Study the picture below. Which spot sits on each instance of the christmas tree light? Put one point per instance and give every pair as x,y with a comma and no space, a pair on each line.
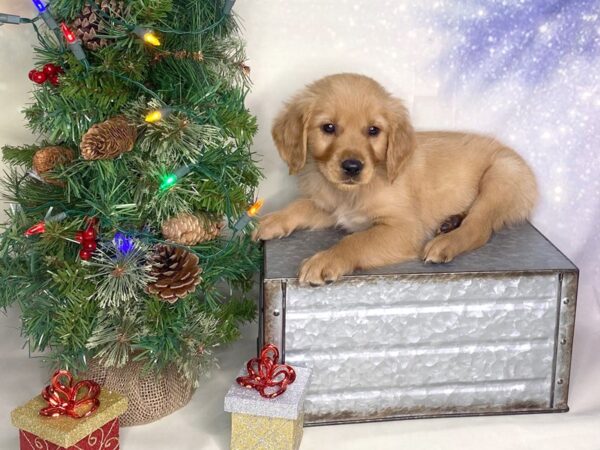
74,44
68,34
170,179
147,36
256,207
123,243
248,215
157,115
40,5
40,228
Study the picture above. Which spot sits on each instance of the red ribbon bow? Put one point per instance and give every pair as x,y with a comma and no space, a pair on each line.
63,398
264,373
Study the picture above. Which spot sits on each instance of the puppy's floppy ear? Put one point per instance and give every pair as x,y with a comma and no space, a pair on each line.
401,140
290,132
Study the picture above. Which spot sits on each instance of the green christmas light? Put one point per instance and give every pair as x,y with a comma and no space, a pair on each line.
168,181
171,179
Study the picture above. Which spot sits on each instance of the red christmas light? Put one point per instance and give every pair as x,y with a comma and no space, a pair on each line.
69,35
38,228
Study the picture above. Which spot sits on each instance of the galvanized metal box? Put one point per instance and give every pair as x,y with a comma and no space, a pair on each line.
489,333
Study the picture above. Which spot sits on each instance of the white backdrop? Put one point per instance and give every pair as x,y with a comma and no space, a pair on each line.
442,57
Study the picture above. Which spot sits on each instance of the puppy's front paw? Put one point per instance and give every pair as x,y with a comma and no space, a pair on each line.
323,268
441,249
272,226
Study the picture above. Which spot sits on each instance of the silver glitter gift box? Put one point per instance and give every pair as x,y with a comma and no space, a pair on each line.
489,333
259,423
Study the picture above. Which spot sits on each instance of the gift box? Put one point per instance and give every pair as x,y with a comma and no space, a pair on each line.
99,430
488,333
259,423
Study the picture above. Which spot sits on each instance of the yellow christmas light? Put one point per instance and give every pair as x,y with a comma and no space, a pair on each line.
157,115
254,209
154,116
151,38
147,36
247,217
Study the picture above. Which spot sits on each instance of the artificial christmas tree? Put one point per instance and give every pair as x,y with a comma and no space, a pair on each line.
147,126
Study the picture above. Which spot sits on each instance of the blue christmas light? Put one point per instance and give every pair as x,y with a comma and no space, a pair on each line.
40,5
123,243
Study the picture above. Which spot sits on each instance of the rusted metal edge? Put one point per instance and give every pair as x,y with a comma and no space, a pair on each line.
273,314
556,338
440,415
260,339
564,339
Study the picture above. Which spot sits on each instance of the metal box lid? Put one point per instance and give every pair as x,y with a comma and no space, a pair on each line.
517,249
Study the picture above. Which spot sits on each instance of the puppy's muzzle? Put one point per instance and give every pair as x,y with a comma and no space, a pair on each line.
352,167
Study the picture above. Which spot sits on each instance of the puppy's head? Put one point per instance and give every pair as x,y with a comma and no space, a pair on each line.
350,126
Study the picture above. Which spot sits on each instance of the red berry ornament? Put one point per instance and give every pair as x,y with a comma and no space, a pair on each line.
51,69
89,234
87,239
39,77
32,73
54,80
89,246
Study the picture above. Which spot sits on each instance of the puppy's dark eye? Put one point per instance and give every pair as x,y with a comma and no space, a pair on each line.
328,128
374,131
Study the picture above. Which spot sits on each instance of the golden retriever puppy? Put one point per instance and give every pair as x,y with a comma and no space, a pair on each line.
361,166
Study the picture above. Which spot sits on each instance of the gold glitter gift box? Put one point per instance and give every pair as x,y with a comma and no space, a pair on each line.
259,423
98,431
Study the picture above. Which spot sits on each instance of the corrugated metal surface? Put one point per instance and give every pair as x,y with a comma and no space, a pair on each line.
420,343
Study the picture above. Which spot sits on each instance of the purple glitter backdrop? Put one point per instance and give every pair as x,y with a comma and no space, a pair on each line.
529,73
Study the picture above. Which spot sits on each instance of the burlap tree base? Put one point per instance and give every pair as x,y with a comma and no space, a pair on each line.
150,397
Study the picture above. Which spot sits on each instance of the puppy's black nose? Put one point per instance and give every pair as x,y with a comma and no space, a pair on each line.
352,167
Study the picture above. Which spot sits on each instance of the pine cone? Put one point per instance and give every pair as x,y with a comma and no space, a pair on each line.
47,158
176,272
188,229
91,22
108,139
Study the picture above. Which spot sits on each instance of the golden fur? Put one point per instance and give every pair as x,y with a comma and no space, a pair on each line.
410,181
